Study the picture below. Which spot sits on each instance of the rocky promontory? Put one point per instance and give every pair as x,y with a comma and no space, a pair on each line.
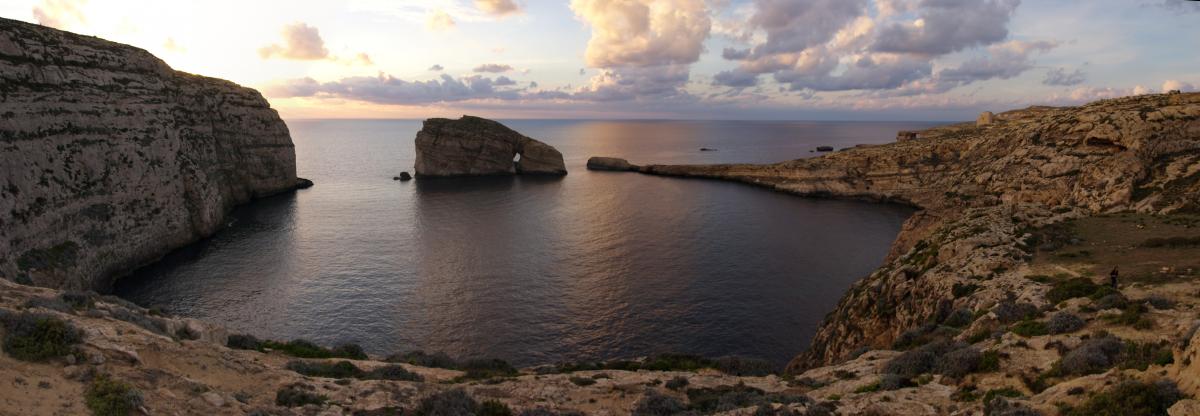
111,159
473,146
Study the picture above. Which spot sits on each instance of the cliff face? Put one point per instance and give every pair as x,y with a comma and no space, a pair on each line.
981,188
472,146
111,158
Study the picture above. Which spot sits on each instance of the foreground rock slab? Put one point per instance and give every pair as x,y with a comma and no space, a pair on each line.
112,159
474,146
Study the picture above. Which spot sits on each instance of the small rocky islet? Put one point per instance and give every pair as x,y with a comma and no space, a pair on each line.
994,299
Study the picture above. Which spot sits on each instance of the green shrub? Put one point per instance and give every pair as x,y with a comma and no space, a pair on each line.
960,290
484,368
420,358
989,361
1141,355
391,372
583,381
78,300
185,332
493,408
1132,316
1004,392
448,402
724,398
868,388
1064,322
958,363
296,395
307,349
676,362
1030,328
742,366
340,369
677,383
1130,399
243,342
37,337
655,404
108,397
1079,287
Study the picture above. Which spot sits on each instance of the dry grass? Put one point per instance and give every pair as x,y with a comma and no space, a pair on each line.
1102,242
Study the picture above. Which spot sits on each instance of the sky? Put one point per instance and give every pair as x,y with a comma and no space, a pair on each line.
665,59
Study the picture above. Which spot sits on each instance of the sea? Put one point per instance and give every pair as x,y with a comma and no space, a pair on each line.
536,270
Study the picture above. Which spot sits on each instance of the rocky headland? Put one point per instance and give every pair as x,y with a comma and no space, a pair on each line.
473,146
111,159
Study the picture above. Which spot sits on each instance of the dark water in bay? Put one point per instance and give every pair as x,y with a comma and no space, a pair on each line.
595,265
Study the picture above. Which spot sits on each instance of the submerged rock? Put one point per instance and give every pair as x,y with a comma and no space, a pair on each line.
302,183
404,176
473,146
610,163
824,148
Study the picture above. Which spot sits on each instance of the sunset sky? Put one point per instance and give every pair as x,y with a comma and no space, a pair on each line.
722,59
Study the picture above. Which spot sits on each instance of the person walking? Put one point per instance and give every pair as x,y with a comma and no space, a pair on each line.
1112,277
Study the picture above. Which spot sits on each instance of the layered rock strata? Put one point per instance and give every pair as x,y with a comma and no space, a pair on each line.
473,146
110,159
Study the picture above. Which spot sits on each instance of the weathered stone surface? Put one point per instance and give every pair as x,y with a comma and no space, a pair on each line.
473,146
610,163
110,158
985,118
978,188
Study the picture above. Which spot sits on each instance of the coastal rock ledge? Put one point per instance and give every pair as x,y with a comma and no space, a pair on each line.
474,146
112,159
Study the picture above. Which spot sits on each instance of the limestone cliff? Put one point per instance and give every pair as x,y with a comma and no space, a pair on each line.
981,185
111,158
473,146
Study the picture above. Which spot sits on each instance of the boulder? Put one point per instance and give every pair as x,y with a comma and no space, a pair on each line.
610,163
824,148
985,118
474,146
404,176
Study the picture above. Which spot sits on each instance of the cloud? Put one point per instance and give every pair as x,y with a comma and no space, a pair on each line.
172,46
439,21
503,81
59,14
493,68
1002,61
735,54
1171,85
645,48
385,89
872,72
498,8
1178,5
794,26
641,33
300,42
947,26
437,68
1060,77
735,78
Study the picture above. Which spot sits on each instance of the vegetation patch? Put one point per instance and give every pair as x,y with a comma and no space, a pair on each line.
108,397
583,381
458,402
423,359
726,398
1171,242
1030,328
37,337
1064,322
1130,399
296,395
346,369
677,383
297,348
1078,287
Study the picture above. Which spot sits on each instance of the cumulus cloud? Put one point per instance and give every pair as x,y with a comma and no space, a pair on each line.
59,14
437,68
1178,5
1171,85
1003,61
645,48
793,26
300,42
498,7
1060,77
493,68
643,33
947,26
439,21
735,54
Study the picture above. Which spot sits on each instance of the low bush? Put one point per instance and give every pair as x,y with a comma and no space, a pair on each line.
485,368
391,372
243,342
37,337
493,408
677,383
959,318
133,316
1141,356
959,363
185,332
921,360
1030,328
1110,301
676,362
108,397
54,304
583,381
1092,356
726,398
423,359
1064,322
741,366
1159,302
1009,311
448,402
340,369
296,395
989,361
78,300
1132,316
1130,399
1004,392
302,348
1078,287
655,404
546,412
889,382
1001,406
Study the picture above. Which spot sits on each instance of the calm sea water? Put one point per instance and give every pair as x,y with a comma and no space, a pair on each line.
596,265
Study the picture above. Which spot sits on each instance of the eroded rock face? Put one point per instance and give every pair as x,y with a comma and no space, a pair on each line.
610,163
473,146
110,159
